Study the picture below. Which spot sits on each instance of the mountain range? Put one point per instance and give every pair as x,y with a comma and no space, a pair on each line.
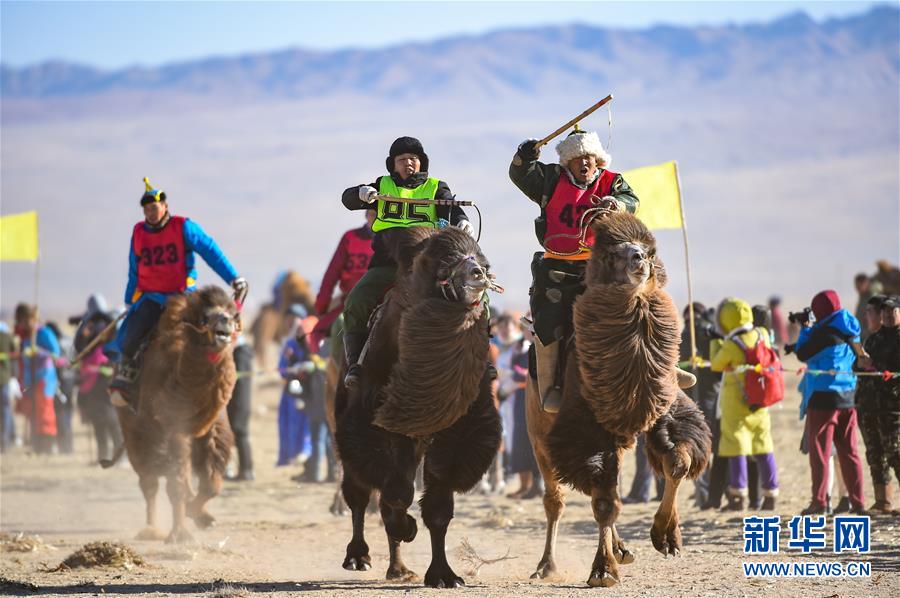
786,134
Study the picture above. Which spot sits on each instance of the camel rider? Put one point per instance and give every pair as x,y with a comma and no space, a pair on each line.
407,164
564,192
161,263
348,264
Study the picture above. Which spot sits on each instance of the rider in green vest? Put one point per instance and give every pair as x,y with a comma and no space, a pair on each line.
407,164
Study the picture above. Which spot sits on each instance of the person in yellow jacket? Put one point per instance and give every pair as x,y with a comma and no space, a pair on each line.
744,432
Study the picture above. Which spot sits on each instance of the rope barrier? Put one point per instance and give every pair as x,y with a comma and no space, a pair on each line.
704,364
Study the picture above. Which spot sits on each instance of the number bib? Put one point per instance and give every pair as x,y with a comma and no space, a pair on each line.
356,261
392,214
160,257
565,209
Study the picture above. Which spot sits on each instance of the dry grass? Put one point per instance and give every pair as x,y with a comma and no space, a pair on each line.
23,542
102,554
468,555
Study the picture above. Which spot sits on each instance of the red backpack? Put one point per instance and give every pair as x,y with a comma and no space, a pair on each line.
765,388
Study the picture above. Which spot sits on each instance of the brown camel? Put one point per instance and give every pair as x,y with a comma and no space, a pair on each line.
273,322
619,381
180,426
425,394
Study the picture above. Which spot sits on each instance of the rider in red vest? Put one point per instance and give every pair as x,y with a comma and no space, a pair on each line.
348,264
161,264
564,192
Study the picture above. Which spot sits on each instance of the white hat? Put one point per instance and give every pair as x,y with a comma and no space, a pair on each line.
582,143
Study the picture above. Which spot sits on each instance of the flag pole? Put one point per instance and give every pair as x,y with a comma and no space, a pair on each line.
687,263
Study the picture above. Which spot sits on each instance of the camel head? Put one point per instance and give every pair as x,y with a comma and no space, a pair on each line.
625,253
451,266
212,317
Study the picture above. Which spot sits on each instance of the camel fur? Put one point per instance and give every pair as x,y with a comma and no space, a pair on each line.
180,426
425,395
619,382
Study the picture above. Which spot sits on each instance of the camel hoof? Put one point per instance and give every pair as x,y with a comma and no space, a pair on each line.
150,533
402,574
624,556
545,569
602,580
203,520
181,536
443,577
362,563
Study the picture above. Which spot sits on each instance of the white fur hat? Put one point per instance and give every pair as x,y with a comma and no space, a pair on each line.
582,143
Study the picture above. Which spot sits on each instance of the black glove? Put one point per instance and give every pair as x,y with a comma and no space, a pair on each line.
528,150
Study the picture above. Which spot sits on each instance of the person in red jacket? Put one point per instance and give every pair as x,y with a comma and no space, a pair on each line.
348,264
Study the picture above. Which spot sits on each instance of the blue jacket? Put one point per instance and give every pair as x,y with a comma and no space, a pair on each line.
45,368
195,240
827,341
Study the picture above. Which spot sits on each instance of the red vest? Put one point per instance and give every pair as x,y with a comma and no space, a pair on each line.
358,254
160,257
565,208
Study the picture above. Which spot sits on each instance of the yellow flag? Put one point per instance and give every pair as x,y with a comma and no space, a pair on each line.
19,237
660,198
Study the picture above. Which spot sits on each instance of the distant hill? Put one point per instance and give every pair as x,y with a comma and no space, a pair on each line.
786,133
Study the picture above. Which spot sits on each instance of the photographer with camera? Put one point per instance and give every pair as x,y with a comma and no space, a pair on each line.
830,343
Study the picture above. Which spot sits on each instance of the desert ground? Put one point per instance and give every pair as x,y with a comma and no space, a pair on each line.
275,536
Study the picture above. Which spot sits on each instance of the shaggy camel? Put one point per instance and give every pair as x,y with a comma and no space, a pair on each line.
619,381
425,393
180,426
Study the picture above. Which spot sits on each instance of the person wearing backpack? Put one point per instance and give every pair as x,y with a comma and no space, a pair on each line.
745,425
831,344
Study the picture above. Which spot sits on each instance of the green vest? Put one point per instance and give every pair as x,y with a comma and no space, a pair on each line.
391,214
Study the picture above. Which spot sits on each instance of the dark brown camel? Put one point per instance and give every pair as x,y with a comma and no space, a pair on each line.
425,394
180,426
620,381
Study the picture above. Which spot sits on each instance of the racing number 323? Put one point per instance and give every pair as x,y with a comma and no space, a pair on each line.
415,212
159,255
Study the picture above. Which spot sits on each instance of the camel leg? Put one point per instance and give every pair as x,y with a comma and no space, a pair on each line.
210,456
606,506
622,554
399,525
357,497
178,487
554,505
665,532
149,487
437,511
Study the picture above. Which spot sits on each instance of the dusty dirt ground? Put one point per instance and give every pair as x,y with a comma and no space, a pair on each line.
275,536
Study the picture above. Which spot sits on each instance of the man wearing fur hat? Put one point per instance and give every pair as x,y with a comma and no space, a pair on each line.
564,192
407,164
161,263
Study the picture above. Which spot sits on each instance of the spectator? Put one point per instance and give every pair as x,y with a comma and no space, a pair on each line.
884,348
239,409
831,344
743,432
63,402
711,484
293,425
7,359
93,380
779,326
866,287
37,370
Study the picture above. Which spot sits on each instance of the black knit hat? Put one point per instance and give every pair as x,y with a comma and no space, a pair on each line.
407,145
891,302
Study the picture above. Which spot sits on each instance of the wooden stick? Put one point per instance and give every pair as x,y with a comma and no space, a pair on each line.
581,116
97,340
687,264
425,202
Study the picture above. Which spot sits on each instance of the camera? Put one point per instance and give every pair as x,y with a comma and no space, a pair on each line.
802,317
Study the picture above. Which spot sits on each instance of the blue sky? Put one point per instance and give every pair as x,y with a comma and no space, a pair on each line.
118,34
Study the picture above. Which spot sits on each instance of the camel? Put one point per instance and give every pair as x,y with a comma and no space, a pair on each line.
425,395
619,381
180,426
273,322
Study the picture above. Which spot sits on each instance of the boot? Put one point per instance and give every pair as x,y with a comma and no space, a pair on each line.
768,503
353,347
685,379
121,389
816,509
736,502
883,499
843,506
548,375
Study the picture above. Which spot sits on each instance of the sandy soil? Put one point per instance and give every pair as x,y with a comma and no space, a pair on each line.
275,536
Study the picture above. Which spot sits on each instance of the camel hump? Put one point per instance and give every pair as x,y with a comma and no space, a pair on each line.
404,244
